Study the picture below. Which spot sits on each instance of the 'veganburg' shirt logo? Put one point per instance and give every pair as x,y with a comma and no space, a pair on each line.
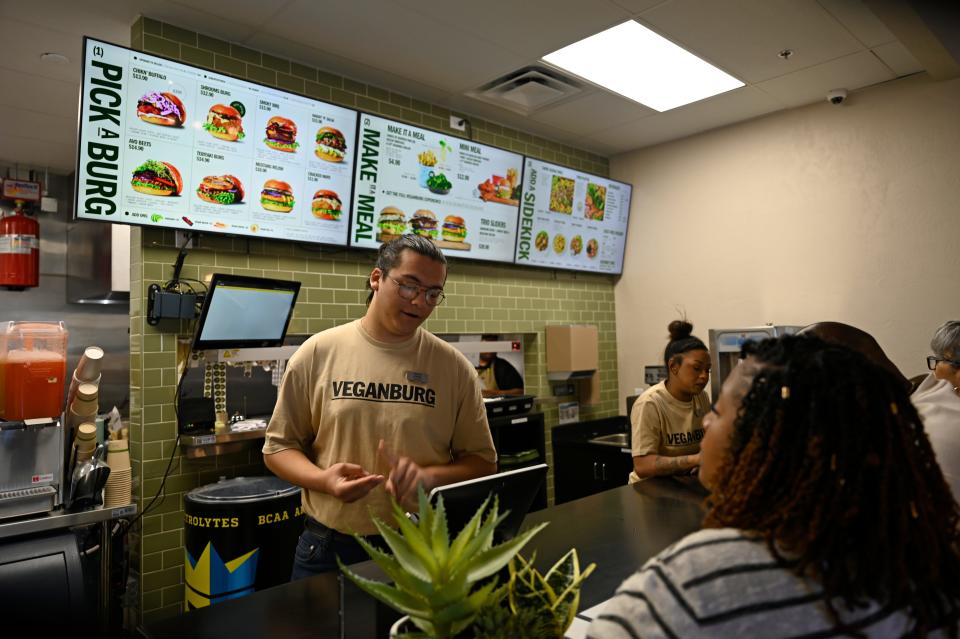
682,439
390,393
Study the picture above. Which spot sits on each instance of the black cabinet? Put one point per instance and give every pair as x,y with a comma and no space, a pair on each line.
519,442
582,468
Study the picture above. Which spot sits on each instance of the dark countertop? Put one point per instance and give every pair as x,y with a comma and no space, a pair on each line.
581,432
618,529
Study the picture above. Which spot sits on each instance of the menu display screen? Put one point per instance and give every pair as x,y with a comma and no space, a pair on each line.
168,144
462,195
572,220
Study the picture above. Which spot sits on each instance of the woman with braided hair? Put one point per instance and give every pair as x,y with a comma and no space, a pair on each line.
829,515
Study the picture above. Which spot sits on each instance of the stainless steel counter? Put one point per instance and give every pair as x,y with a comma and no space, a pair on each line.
59,519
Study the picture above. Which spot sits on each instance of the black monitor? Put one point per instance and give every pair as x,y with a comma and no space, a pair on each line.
245,312
515,490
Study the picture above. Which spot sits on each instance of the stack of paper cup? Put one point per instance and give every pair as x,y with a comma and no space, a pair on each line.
87,371
84,406
119,484
86,441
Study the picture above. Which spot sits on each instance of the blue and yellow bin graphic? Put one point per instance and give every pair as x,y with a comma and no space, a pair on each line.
239,536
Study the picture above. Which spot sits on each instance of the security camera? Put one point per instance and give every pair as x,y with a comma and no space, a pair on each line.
837,96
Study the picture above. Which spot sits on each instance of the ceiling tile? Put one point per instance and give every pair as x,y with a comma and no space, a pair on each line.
23,44
339,65
53,97
859,20
743,37
60,156
39,126
810,85
251,13
637,6
727,108
106,19
519,26
898,57
399,41
581,113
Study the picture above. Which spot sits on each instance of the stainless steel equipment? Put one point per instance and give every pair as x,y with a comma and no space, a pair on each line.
725,346
31,466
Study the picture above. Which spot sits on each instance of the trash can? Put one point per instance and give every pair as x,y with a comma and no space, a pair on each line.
240,535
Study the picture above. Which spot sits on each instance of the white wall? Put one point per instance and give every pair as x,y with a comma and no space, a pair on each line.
848,213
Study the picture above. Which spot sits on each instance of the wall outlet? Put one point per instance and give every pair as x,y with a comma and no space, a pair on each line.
457,123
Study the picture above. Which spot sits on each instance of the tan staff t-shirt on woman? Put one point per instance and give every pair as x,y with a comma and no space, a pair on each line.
661,424
343,392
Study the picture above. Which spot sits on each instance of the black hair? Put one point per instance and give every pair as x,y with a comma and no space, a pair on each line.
829,463
681,341
390,254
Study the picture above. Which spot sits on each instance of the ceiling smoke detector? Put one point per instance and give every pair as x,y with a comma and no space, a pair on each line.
527,90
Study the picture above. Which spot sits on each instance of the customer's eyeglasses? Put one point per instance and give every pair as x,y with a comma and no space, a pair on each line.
933,359
409,292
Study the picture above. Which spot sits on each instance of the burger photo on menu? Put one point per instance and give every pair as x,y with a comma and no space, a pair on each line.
392,223
331,145
220,189
326,205
281,134
424,224
157,178
164,109
276,196
454,230
224,122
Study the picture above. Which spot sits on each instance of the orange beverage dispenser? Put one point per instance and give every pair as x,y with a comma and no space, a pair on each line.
34,369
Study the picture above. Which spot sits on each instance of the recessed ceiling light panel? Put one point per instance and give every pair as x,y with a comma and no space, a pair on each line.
643,66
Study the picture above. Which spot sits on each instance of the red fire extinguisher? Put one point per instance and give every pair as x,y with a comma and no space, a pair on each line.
19,250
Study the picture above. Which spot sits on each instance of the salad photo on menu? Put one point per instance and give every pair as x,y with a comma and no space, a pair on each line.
596,202
561,194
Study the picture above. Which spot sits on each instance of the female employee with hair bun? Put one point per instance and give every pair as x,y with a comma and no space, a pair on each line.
666,418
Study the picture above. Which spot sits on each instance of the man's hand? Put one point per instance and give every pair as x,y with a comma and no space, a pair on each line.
349,482
404,478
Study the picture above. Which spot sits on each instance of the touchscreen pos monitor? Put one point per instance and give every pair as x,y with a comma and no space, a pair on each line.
245,312
515,490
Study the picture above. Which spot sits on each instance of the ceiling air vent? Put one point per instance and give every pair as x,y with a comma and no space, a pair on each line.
527,89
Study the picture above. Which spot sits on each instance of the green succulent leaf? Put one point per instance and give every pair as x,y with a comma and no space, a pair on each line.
389,564
393,597
468,533
493,559
411,551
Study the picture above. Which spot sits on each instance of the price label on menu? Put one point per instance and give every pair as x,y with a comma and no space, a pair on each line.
461,195
572,220
169,144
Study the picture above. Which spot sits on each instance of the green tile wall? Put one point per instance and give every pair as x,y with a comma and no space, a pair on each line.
481,298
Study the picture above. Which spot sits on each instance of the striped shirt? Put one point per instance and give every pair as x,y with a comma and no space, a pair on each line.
722,583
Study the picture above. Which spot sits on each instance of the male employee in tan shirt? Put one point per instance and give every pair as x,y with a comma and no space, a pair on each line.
376,401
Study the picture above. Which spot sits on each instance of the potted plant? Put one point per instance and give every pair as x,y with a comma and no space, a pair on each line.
450,588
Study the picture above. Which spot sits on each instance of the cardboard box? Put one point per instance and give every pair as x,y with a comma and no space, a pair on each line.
572,347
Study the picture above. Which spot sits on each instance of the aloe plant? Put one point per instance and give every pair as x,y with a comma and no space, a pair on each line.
435,581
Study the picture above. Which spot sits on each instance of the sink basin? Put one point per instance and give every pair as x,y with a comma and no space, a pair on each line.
620,440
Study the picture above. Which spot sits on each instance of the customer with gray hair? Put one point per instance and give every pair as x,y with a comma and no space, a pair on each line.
937,400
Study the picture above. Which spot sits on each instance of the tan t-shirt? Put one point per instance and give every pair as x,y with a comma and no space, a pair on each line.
343,391
663,425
